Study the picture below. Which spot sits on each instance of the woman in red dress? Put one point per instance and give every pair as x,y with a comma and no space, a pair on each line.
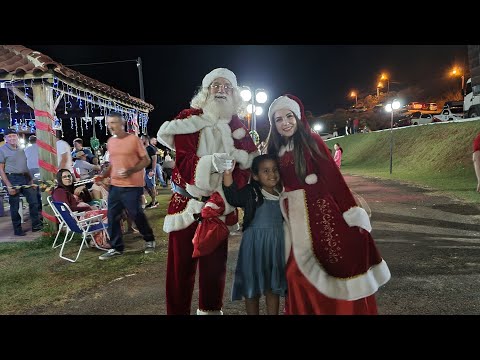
333,265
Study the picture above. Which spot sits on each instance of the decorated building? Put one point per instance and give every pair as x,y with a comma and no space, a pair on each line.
38,95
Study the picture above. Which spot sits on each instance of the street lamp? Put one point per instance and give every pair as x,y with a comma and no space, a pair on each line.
317,128
394,105
260,98
458,72
354,94
385,77
379,85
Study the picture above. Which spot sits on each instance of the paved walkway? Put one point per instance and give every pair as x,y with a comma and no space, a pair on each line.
6,227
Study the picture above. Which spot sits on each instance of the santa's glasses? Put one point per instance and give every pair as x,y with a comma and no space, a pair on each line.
217,87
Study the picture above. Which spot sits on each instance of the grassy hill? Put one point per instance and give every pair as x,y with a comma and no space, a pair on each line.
438,156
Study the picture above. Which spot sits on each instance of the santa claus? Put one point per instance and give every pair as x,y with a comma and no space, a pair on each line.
206,138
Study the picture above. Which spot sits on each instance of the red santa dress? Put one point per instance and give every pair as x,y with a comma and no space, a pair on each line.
333,265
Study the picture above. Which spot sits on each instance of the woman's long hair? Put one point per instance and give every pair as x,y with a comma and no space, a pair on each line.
69,188
301,140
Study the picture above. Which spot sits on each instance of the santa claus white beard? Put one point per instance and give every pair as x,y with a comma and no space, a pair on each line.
219,108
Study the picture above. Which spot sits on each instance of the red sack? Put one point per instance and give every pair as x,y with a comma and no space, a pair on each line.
211,231
209,235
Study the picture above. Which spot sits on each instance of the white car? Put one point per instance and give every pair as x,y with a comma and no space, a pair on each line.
448,114
423,119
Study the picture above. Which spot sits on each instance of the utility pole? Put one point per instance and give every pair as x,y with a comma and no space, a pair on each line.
140,77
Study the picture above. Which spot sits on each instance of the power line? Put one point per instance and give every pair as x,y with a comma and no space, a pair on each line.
106,62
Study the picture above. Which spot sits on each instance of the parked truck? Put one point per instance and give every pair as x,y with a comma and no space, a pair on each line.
471,101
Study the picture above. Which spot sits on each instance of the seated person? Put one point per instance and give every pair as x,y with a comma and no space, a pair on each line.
76,199
83,167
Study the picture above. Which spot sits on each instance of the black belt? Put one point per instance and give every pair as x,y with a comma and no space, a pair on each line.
185,193
24,174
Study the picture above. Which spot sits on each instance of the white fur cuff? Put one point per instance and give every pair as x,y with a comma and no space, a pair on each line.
211,312
239,133
241,156
356,216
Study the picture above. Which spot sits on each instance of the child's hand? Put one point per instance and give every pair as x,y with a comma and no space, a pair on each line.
230,170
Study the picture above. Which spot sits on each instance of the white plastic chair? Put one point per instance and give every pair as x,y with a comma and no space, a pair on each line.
85,227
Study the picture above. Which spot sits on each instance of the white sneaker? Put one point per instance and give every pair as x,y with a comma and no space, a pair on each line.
149,247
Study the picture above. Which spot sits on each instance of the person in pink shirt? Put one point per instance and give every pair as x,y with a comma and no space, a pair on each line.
338,154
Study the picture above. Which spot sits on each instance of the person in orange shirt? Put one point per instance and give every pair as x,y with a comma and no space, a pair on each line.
128,159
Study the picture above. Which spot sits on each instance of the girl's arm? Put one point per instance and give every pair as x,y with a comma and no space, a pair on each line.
235,197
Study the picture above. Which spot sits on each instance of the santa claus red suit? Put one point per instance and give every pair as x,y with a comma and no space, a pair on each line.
204,138
333,266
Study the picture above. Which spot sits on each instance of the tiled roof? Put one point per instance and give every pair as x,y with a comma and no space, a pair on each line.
19,60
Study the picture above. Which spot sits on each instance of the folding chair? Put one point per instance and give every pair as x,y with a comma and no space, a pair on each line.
61,223
84,227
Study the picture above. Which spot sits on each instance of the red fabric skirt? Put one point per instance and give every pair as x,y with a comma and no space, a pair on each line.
304,299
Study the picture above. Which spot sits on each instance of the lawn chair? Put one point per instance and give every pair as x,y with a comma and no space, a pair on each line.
61,223
74,225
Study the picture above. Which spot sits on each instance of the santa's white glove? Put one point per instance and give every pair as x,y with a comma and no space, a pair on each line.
222,162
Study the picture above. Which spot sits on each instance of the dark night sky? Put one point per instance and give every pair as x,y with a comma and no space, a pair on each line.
320,75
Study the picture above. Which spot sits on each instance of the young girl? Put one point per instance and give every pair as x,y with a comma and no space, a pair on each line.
261,258
338,154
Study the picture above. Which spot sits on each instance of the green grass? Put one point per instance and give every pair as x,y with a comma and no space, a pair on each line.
32,274
437,156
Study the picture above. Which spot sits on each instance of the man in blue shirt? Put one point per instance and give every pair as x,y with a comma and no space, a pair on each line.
78,145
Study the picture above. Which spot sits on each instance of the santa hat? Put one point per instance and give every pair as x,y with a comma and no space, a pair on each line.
219,73
289,102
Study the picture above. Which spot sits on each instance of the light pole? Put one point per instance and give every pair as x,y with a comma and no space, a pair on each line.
394,105
260,97
379,85
354,94
385,77
457,72
317,128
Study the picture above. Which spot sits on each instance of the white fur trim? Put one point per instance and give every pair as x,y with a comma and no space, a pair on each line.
283,102
219,73
357,216
250,158
212,205
205,178
311,179
286,226
196,191
183,219
239,133
284,149
338,288
164,139
209,136
240,156
209,312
